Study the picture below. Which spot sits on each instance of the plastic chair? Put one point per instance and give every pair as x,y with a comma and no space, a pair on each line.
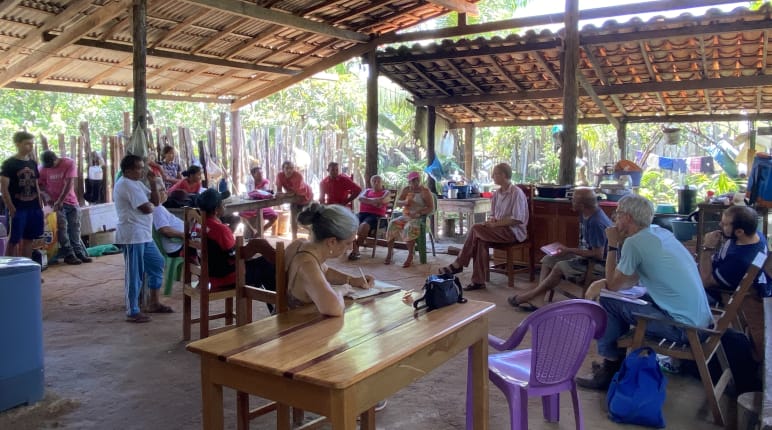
420,243
560,337
384,220
172,265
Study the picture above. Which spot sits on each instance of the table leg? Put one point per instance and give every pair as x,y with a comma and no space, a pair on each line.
367,419
342,415
478,383
260,223
211,394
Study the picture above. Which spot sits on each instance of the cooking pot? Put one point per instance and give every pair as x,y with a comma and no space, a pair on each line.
552,191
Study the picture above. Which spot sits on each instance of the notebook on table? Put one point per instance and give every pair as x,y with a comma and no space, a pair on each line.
379,287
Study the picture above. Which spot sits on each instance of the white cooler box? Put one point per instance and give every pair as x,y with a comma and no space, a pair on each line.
98,218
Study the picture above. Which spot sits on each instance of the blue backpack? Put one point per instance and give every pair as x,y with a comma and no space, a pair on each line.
637,392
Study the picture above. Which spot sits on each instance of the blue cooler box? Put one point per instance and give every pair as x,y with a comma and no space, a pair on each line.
21,333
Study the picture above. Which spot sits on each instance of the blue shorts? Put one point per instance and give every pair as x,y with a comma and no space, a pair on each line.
370,219
26,224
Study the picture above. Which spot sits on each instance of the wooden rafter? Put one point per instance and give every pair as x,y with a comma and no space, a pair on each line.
220,34
34,37
238,49
517,87
476,52
316,49
291,44
179,27
477,88
58,65
547,69
112,68
602,77
460,6
185,76
213,82
73,33
647,87
705,72
652,73
598,102
600,120
109,93
764,52
7,5
159,53
249,10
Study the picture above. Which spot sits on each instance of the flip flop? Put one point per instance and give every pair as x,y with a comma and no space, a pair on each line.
450,270
523,307
472,287
161,309
354,256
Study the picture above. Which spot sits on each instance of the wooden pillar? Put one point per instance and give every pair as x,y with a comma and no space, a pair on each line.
469,150
751,144
567,173
371,146
139,35
79,164
236,145
431,123
622,139
223,145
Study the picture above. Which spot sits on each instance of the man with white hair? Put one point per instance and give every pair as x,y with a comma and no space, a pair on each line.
654,258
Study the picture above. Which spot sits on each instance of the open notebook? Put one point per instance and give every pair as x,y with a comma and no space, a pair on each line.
632,295
379,287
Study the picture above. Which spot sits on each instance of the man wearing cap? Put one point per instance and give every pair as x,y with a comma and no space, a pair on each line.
57,180
337,189
135,232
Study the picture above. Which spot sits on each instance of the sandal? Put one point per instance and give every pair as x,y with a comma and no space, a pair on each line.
160,309
450,269
521,306
472,287
407,264
138,318
354,256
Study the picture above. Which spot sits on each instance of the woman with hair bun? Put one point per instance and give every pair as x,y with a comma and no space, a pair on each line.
191,183
333,230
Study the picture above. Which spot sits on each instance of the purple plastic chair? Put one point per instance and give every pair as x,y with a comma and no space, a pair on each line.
561,336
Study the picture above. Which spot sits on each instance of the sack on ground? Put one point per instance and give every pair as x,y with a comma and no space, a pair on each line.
440,291
637,392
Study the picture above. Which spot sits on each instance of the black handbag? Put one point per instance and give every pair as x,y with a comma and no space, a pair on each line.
439,291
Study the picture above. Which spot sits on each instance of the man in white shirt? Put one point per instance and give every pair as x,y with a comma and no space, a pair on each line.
134,232
170,228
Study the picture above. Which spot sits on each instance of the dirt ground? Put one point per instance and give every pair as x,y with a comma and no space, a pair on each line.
104,373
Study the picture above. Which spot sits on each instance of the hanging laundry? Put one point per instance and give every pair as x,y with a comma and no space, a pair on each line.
695,164
665,163
706,165
679,165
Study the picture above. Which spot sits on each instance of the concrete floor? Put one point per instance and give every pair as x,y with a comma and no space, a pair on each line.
103,373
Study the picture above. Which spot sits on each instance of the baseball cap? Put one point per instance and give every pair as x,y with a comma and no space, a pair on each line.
413,175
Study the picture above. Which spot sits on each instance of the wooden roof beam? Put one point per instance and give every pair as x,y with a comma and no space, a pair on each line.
763,71
602,76
602,121
58,65
110,70
35,37
249,44
499,50
652,73
109,93
517,87
7,5
253,11
508,24
543,64
478,89
320,66
119,47
598,102
428,79
705,72
212,82
459,6
647,87
179,27
73,33
220,34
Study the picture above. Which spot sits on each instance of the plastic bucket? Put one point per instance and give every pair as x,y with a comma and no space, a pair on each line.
684,230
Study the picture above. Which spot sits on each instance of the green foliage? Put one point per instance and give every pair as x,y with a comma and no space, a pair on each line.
660,189
547,168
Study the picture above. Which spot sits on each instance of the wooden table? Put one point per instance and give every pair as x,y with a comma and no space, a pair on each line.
341,367
467,207
238,204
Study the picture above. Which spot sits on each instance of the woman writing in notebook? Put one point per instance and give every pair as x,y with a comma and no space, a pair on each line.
333,230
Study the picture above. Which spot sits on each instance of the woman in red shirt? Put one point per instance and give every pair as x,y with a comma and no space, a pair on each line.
292,181
191,183
373,203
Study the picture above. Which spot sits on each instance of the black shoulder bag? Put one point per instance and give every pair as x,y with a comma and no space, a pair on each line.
440,291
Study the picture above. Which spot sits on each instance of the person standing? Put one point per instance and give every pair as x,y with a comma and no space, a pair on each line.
135,232
57,181
21,195
337,189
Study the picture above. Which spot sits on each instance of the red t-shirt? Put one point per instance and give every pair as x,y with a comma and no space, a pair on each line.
338,190
370,209
189,188
295,184
52,180
219,233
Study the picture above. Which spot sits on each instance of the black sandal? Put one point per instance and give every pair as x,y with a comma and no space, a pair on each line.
472,287
521,306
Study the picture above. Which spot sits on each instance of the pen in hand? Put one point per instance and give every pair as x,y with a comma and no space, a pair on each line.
364,278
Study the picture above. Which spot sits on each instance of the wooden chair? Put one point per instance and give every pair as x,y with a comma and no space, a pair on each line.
195,280
702,351
245,295
376,234
511,265
420,243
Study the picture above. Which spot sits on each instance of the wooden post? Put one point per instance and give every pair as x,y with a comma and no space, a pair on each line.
431,122
73,148
751,145
223,145
236,143
111,165
622,139
469,150
567,174
79,164
371,145
139,63
62,145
